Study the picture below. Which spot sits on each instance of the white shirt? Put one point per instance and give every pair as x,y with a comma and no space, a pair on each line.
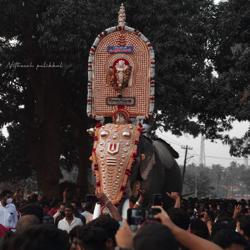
88,216
13,218
56,215
125,208
97,211
64,225
4,216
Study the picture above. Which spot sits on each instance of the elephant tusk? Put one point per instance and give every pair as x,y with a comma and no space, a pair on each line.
91,158
143,157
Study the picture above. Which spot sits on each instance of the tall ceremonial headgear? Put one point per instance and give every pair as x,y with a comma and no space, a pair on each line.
121,70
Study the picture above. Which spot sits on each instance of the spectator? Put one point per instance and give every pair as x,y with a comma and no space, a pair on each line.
154,235
74,237
230,240
179,217
225,223
88,212
93,238
34,209
70,221
77,213
199,228
243,226
110,226
59,215
185,238
26,222
40,238
4,213
13,218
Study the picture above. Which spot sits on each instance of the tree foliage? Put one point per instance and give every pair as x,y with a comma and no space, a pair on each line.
44,106
231,181
232,62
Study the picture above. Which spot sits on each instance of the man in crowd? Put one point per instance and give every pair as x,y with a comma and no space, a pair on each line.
5,215
70,221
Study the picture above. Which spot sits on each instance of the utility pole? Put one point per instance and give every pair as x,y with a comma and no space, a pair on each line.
202,151
185,161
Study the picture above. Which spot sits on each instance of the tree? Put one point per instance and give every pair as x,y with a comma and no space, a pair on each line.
198,181
232,62
14,162
217,177
47,98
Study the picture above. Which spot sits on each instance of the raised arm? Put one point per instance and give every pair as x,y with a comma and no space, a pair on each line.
108,204
185,238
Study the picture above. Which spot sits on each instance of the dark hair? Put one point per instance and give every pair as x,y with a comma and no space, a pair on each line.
244,221
34,209
107,223
226,237
199,228
153,235
5,193
179,217
26,221
39,238
89,206
222,224
93,238
33,198
75,233
68,205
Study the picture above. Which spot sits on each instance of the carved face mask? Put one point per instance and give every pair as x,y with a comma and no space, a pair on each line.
113,154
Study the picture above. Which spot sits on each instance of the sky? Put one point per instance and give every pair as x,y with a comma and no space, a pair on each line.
215,152
217,1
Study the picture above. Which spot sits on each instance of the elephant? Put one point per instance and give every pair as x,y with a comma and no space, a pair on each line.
157,170
123,153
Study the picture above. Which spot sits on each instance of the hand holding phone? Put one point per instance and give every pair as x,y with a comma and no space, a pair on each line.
136,216
152,212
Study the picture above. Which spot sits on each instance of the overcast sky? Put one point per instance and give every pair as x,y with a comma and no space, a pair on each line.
215,152
217,1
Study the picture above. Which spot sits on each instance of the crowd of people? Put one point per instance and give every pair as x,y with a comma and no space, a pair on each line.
37,223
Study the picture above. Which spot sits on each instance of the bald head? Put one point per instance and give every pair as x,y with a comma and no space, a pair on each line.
26,222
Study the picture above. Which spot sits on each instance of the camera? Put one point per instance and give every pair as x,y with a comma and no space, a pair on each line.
136,216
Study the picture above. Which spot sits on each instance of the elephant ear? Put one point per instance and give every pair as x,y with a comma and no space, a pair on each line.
165,154
146,153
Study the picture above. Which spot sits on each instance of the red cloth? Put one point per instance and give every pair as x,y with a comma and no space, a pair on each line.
52,211
3,230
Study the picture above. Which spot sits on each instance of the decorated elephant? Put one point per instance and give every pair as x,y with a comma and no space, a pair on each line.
121,86
156,168
122,154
